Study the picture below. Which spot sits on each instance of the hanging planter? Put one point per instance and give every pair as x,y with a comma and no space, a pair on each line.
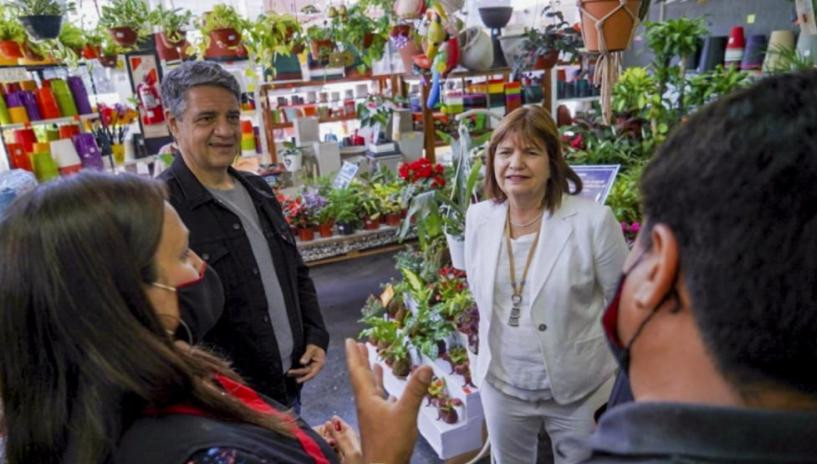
90,52
108,61
42,26
124,36
10,49
169,43
226,37
321,48
608,25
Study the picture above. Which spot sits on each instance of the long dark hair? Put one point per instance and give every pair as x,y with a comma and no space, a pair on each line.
82,353
533,125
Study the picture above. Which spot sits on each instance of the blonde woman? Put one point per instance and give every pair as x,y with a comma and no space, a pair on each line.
542,263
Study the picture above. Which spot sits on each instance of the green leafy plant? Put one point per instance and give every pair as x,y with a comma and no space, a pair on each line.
558,36
40,7
623,198
273,34
344,206
375,111
789,60
222,16
173,21
398,357
363,35
705,87
72,37
126,13
465,175
10,27
370,204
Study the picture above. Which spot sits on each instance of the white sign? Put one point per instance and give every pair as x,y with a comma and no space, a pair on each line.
345,175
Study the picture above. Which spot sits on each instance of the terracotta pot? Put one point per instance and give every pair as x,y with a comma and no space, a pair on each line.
108,61
90,52
124,36
226,38
306,234
325,229
10,49
371,223
546,61
173,44
315,47
617,30
166,52
394,219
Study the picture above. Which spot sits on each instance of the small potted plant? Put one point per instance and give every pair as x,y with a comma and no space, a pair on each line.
224,26
391,207
94,39
321,44
345,209
173,23
397,357
363,35
370,208
125,20
325,221
380,333
12,35
297,215
542,47
273,34
41,18
109,53
447,409
437,390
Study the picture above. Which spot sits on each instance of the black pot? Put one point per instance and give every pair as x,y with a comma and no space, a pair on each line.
345,228
713,52
42,26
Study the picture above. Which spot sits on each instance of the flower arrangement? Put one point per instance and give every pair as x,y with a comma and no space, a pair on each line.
303,211
113,126
424,174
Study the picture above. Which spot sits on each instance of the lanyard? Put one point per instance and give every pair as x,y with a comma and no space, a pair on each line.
516,298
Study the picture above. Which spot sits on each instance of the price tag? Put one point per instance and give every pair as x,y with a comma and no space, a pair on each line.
345,175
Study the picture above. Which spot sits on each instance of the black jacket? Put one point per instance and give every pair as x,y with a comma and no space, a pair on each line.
244,333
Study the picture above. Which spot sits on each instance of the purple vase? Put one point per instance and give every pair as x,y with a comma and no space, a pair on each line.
13,99
30,103
80,94
755,52
89,154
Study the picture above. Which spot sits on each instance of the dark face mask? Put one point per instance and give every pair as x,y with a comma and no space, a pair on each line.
609,321
201,303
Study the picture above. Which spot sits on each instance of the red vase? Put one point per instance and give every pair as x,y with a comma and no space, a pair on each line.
306,234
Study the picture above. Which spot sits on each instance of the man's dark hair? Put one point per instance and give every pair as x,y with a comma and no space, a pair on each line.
737,184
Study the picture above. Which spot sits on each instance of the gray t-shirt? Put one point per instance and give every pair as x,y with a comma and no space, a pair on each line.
238,201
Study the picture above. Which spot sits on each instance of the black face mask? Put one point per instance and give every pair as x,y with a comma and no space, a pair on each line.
609,322
201,303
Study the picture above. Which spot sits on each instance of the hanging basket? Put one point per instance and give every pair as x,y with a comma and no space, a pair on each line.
42,26
124,36
182,35
608,25
108,61
226,38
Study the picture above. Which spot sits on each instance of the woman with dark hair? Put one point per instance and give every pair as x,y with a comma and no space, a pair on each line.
99,297
541,263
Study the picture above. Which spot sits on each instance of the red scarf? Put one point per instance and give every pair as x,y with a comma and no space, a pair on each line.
252,400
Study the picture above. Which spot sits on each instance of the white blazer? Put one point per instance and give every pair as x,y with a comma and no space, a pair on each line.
574,272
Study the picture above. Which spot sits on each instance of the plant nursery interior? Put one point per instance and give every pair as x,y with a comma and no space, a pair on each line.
462,187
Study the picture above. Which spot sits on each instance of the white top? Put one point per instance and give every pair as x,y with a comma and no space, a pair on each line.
517,363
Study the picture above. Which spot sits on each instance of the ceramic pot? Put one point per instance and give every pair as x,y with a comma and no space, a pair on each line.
316,46
754,53
608,25
325,229
173,43
546,61
42,26
108,61
393,219
476,49
712,53
10,49
779,42
456,248
124,36
226,37
735,47
372,223
90,52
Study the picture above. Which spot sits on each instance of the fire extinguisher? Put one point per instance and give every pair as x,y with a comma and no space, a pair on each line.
150,100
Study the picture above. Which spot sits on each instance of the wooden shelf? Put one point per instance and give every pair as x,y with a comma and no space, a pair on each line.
43,122
321,83
286,125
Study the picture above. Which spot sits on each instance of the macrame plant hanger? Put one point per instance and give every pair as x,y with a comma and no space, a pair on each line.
608,64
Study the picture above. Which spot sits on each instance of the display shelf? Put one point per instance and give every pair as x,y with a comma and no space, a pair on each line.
321,83
447,440
43,122
286,125
580,99
339,247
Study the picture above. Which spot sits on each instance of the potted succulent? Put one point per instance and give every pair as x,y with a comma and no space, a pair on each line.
125,20
173,23
222,25
542,47
344,206
41,18
273,34
12,35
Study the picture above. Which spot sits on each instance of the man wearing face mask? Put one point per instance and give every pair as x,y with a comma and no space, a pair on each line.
271,327
716,317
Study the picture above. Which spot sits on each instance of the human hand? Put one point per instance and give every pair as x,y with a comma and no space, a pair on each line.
313,359
388,429
343,439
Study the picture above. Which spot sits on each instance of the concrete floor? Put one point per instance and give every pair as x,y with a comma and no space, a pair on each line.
342,289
